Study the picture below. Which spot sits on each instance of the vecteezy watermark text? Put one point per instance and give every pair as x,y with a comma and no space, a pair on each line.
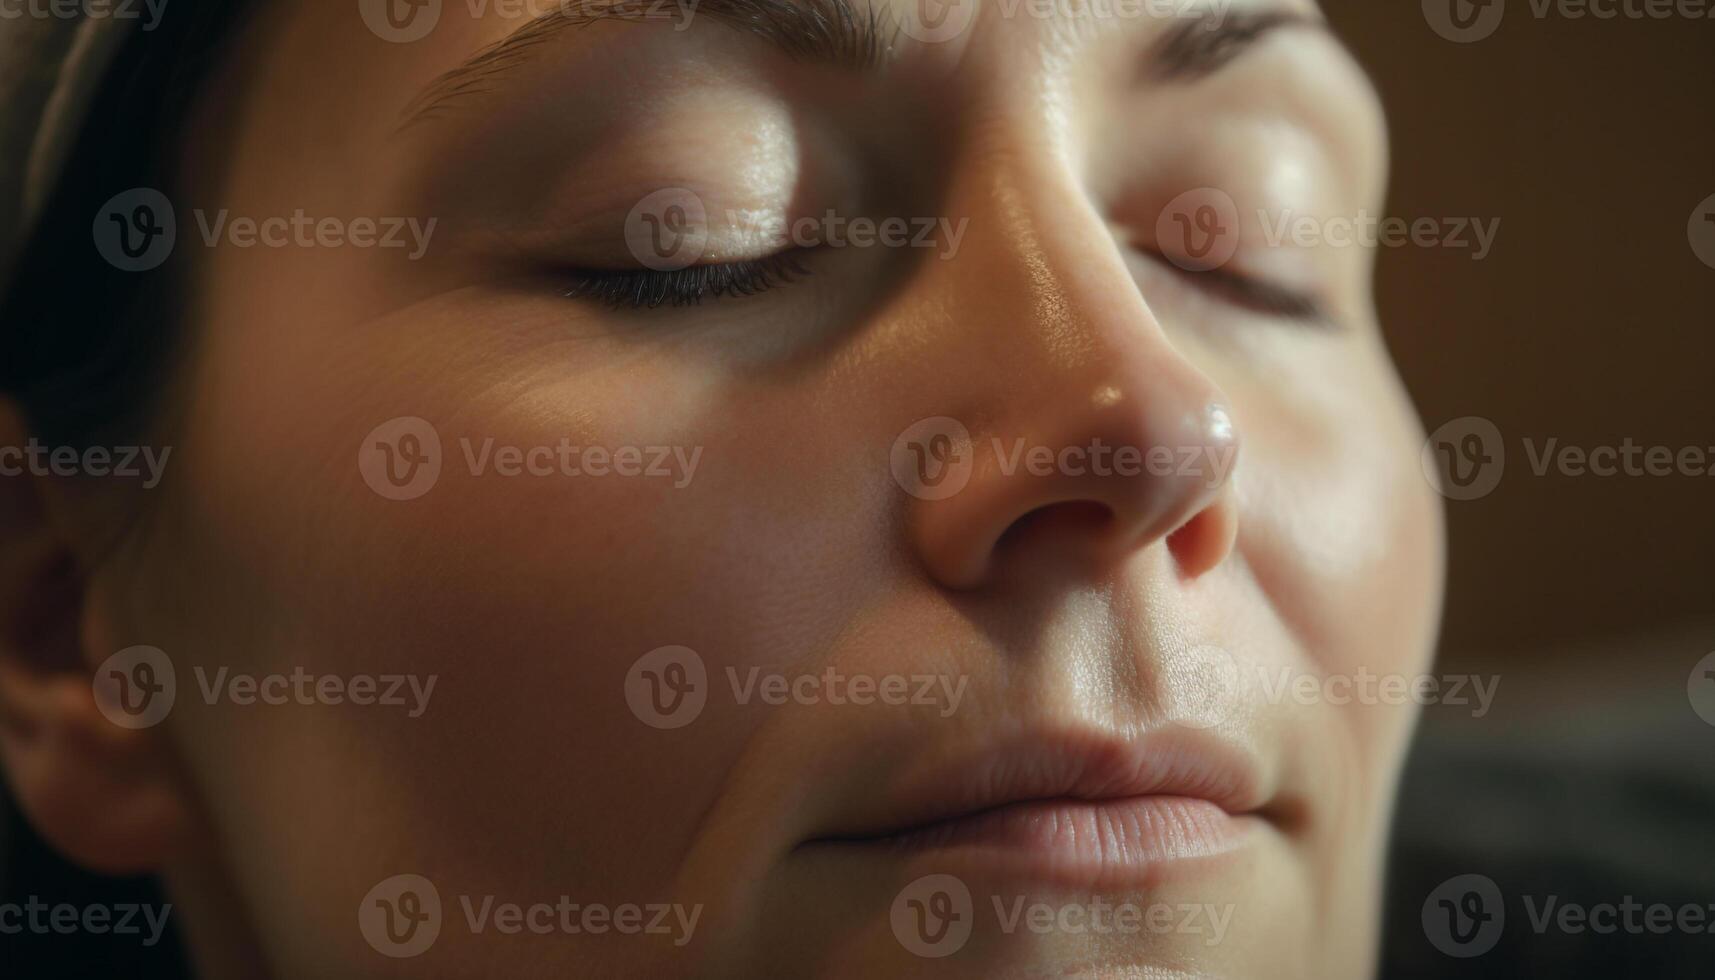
668,687
934,916
1225,684
121,462
409,691
147,11
1465,458
564,458
138,686
300,230
832,230
404,21
933,459
136,230
937,21
1466,915
402,917
41,918
1366,687
401,459
1466,21
1366,230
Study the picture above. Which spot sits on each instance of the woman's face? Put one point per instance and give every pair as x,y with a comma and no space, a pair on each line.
985,542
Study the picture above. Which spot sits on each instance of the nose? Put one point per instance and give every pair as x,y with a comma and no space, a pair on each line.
1068,424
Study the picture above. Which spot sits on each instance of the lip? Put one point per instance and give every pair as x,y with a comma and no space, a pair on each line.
1072,808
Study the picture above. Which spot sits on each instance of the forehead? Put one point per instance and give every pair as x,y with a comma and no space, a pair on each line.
476,43
331,84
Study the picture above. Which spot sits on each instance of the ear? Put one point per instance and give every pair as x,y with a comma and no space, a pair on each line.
106,795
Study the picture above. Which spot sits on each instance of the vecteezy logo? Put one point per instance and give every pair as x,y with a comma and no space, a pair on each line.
1464,21
1700,688
1464,916
136,687
932,916
1199,230
1464,458
1466,13
135,231
934,21
400,21
668,230
1466,466
1701,231
667,687
933,458
401,916
400,459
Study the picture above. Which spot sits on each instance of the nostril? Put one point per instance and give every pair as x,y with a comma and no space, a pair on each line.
1071,520
1086,490
1204,541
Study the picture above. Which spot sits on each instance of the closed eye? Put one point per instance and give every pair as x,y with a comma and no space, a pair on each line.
650,288
1254,294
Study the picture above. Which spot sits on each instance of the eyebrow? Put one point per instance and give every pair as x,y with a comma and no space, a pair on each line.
830,32
826,31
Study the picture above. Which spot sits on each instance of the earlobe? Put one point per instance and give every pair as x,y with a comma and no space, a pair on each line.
107,796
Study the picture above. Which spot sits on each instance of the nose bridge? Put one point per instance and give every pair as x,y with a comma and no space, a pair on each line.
1038,343
1033,245
1045,322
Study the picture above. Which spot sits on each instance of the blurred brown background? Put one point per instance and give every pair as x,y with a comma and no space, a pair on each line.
1589,600
1591,320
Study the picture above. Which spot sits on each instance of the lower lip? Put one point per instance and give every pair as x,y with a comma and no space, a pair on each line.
1082,842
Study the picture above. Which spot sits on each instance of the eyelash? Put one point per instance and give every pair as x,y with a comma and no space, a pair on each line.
649,288
1262,296
638,289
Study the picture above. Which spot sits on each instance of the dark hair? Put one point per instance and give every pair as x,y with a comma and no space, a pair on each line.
83,350
82,343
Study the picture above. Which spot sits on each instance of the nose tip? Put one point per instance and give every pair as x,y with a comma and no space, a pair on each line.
1187,465
1218,424
1201,532
1129,473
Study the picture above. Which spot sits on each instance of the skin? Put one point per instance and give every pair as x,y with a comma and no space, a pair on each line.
793,549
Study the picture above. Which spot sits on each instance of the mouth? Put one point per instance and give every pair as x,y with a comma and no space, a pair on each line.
1074,809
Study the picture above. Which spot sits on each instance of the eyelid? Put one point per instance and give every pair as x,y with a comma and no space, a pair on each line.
1253,293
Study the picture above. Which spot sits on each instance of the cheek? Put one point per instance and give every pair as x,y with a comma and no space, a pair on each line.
529,597
1343,534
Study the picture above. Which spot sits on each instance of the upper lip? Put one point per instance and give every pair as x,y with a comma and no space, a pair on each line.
1072,765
